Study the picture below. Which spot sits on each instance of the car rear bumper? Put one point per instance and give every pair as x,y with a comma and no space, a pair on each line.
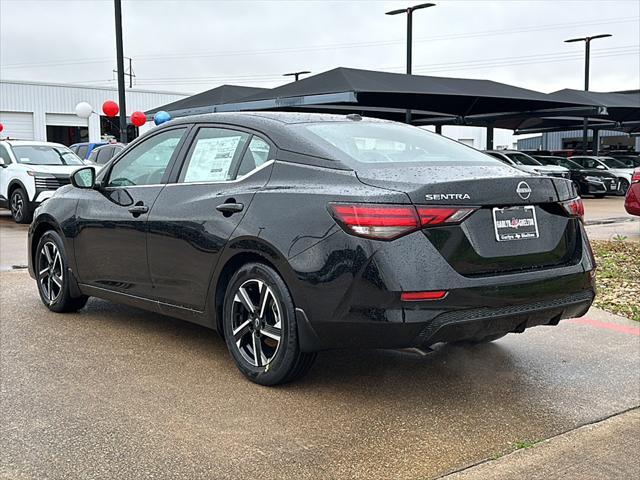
463,315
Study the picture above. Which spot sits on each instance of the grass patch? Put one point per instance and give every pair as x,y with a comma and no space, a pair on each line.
526,444
618,277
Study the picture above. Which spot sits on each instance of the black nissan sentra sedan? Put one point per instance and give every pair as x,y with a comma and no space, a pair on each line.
294,233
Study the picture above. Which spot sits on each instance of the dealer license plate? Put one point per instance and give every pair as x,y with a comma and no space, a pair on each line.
515,223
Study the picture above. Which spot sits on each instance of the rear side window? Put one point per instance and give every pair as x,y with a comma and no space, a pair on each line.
256,155
212,155
104,155
372,143
82,151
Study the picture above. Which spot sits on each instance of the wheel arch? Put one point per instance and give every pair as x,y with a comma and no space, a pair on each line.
13,185
240,252
44,224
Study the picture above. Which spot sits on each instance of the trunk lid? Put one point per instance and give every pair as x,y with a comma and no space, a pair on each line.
471,247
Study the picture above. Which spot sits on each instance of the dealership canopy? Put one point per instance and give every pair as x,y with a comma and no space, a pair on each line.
201,101
371,91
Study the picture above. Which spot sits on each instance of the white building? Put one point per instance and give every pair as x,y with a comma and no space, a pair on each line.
46,111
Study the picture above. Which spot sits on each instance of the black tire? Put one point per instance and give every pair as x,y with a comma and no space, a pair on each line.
20,207
267,363
479,341
53,284
624,186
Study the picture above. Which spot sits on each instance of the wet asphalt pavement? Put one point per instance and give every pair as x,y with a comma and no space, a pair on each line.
116,392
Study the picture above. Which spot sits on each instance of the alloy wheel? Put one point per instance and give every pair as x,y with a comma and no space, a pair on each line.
50,272
256,322
17,205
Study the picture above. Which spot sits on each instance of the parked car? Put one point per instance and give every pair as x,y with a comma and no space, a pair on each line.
618,168
528,164
293,233
31,172
632,201
630,161
101,155
84,149
589,181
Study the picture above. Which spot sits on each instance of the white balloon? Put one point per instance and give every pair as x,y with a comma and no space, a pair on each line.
84,110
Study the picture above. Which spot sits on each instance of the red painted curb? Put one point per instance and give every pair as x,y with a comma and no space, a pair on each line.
607,326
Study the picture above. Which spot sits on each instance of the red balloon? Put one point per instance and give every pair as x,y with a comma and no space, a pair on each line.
138,119
110,108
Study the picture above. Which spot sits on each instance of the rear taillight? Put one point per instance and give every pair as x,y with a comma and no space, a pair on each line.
636,176
574,207
387,222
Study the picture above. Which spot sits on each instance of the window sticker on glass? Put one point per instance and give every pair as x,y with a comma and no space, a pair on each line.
213,155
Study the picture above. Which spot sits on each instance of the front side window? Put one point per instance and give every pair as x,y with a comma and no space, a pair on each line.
369,144
212,155
4,156
45,155
147,163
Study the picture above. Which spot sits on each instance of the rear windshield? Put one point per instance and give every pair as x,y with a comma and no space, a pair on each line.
45,155
368,144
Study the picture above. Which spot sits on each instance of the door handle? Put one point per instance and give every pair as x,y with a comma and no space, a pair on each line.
138,210
230,208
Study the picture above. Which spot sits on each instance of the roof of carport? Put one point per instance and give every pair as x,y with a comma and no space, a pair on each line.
384,90
200,101
617,109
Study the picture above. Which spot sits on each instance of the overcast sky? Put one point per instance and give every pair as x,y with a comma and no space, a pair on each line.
193,45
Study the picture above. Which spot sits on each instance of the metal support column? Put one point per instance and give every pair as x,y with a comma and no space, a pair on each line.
490,138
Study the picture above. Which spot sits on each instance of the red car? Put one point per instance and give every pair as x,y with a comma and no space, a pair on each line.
632,202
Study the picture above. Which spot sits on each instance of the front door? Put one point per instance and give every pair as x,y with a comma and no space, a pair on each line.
111,242
194,216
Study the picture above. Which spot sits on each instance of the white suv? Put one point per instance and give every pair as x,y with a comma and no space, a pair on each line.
31,172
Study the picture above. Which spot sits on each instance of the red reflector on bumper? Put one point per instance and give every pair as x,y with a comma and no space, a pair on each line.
419,296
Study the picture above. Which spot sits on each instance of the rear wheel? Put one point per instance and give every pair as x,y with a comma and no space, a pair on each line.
51,271
260,327
20,208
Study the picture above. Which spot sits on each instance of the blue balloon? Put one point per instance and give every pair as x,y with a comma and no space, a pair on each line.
161,117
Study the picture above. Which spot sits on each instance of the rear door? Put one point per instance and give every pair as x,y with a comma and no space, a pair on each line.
197,212
111,242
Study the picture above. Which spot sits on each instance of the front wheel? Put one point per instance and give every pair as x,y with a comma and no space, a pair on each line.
20,208
52,274
260,327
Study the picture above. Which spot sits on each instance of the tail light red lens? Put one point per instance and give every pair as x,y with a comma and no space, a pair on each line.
387,222
422,296
636,176
574,207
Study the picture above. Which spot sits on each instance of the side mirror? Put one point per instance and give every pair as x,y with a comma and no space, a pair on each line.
84,178
601,167
2,164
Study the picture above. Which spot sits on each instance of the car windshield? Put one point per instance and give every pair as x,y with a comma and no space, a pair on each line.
372,144
523,159
45,155
612,162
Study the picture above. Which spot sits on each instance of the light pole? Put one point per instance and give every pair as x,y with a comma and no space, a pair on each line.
587,52
296,75
409,11
120,68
